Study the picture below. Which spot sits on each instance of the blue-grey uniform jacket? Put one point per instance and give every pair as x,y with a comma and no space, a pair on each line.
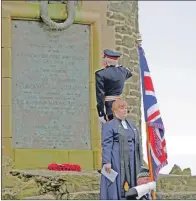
109,82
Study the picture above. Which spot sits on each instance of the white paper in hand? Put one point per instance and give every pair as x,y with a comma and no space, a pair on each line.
111,176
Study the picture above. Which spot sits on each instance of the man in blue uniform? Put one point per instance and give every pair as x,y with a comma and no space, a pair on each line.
144,187
109,84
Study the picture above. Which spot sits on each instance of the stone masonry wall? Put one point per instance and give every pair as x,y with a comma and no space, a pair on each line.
119,30
119,26
85,186
123,16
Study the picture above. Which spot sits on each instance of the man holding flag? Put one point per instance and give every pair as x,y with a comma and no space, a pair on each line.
144,187
156,144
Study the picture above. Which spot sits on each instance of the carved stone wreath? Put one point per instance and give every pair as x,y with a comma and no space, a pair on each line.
58,26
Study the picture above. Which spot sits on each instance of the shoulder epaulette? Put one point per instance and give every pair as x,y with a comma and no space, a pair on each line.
126,68
119,66
99,70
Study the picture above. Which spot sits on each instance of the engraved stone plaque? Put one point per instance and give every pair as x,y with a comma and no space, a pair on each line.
50,86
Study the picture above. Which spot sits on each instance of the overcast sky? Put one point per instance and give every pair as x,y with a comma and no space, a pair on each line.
168,31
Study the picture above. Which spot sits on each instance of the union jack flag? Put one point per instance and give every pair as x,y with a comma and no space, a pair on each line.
157,156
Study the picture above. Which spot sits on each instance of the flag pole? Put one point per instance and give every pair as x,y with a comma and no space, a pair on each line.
150,160
139,42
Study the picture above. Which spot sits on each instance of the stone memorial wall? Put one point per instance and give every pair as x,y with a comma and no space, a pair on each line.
50,86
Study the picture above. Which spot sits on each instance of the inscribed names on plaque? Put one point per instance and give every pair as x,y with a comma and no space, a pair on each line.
50,86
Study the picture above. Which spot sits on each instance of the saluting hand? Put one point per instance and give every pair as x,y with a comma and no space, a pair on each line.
108,167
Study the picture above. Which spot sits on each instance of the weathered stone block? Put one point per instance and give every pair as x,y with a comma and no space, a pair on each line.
114,6
70,188
65,196
93,195
123,6
6,92
109,14
133,55
135,110
132,101
125,60
135,85
63,188
178,196
136,68
125,50
116,16
6,62
128,41
118,48
40,197
118,36
123,29
135,93
6,32
118,42
6,121
134,7
135,78
110,22
7,149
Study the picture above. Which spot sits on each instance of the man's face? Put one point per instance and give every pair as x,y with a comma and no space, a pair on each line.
121,112
143,180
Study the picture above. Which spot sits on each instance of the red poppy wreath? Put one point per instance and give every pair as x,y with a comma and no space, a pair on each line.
64,167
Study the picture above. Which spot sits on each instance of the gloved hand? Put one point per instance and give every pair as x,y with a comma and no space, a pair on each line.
145,188
152,185
102,120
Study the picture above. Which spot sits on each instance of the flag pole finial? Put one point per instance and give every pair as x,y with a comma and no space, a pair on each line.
139,40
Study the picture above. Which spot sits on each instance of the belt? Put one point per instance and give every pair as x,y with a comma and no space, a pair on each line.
112,98
128,140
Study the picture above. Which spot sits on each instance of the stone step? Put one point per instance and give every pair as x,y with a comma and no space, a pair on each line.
177,195
94,195
85,185
88,181
41,197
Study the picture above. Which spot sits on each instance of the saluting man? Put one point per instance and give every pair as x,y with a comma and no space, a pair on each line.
109,84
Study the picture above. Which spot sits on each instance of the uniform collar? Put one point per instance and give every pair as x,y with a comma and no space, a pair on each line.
110,66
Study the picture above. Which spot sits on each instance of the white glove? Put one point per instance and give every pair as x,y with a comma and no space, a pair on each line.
102,120
152,186
145,188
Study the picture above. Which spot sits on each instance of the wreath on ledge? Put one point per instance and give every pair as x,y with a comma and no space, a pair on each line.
64,167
